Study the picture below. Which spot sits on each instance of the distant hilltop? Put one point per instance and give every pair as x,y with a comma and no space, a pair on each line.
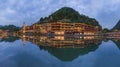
67,14
116,27
10,28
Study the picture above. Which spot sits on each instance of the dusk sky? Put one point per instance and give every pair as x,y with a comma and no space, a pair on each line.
107,12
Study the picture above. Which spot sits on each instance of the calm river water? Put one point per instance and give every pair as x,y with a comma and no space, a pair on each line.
59,51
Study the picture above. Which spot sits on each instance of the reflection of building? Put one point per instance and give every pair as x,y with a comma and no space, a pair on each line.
112,34
60,28
65,48
3,33
61,41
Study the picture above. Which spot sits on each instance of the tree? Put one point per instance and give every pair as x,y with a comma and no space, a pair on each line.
41,19
105,30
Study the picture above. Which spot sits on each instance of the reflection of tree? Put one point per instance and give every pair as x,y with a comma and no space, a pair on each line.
64,48
9,39
117,42
105,39
69,54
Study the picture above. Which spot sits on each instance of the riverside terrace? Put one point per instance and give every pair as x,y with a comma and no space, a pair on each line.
60,28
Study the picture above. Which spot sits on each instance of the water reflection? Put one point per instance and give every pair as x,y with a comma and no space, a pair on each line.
116,41
9,39
41,51
63,42
65,48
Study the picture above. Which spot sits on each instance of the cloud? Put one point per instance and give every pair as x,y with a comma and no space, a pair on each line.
30,11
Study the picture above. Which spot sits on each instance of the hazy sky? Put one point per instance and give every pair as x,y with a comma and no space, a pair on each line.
107,12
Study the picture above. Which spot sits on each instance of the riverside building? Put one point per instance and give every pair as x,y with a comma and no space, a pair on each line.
60,28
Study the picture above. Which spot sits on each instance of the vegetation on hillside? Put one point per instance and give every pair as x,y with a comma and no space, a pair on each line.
116,27
67,14
105,30
10,28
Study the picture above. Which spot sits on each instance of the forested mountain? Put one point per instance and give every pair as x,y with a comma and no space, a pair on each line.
67,14
10,28
116,27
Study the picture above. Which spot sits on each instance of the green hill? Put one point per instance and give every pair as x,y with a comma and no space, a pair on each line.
67,14
116,27
10,28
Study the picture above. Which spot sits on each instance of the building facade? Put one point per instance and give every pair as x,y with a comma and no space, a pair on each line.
60,28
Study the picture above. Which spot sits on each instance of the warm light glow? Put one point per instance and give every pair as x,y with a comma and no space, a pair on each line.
60,28
59,37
